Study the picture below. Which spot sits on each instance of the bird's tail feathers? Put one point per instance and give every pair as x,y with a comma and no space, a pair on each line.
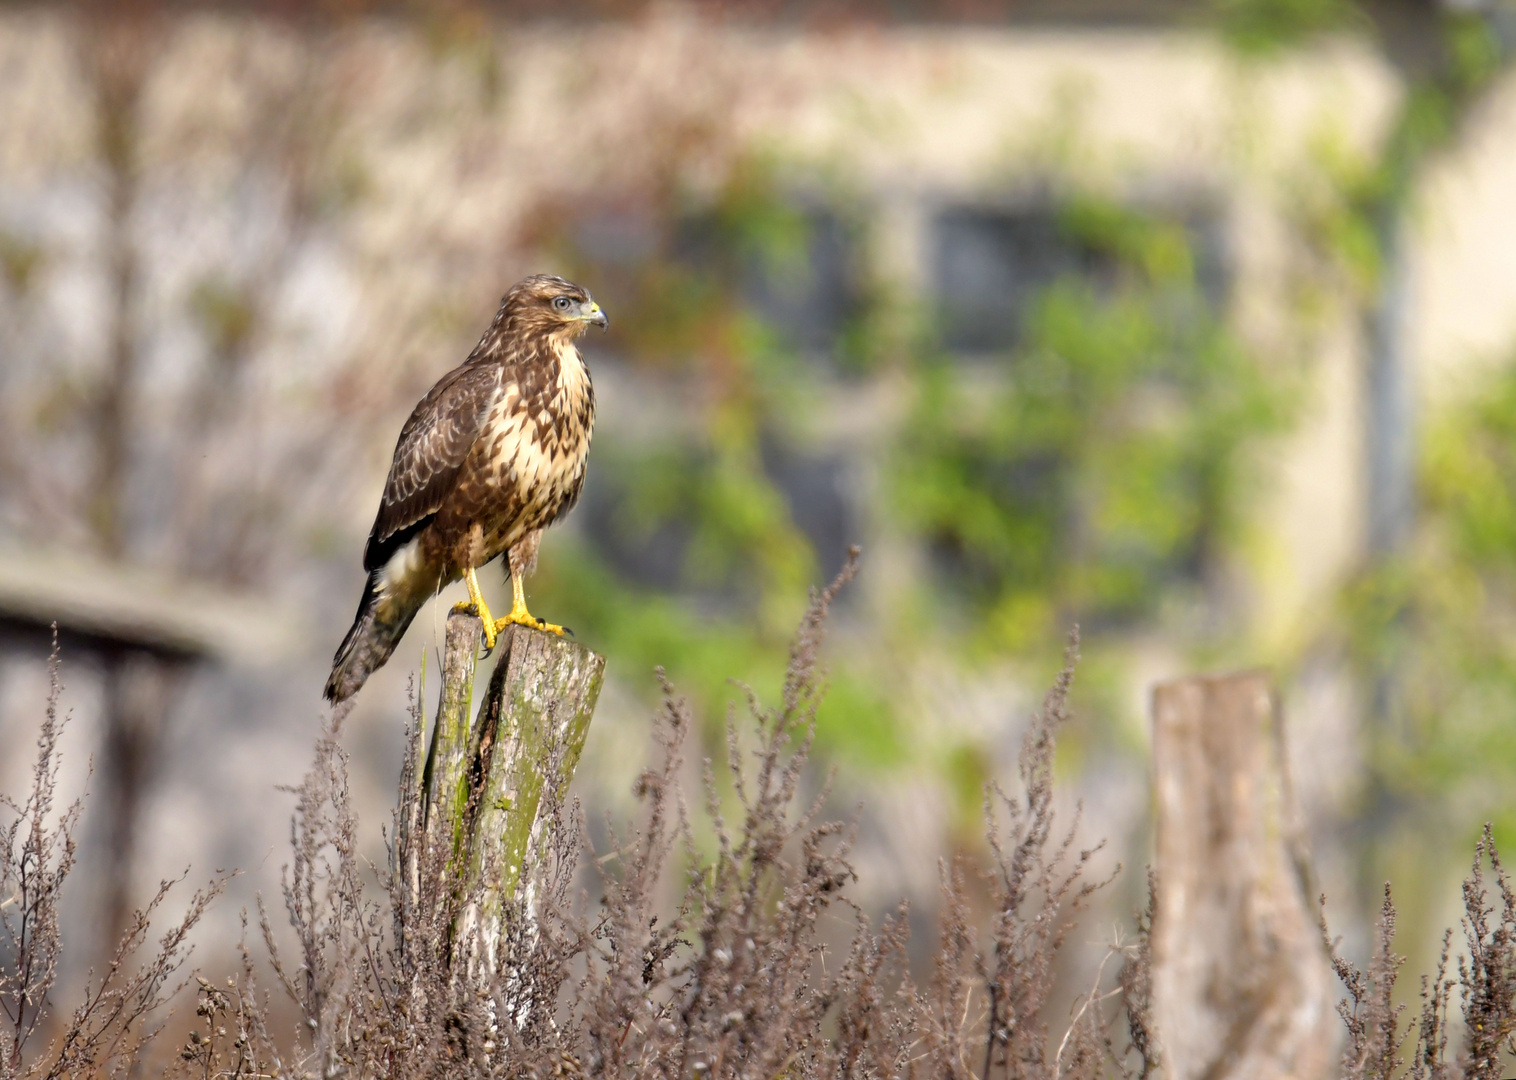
376,630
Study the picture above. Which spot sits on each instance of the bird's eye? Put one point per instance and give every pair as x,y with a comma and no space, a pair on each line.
561,303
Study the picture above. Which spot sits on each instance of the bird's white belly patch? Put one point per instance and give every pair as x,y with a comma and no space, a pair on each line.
407,574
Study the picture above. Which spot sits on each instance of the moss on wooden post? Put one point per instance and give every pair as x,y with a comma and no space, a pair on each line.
446,780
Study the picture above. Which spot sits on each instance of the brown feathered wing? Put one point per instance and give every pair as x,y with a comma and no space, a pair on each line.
432,448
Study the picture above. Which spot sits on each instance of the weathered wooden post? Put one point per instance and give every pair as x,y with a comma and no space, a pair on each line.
481,793
1241,982
529,736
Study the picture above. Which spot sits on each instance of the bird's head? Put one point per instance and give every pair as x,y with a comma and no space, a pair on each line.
549,305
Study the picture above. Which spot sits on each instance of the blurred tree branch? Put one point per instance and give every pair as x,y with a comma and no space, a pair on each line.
117,46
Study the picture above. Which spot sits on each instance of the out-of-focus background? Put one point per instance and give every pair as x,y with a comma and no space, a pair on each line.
1193,323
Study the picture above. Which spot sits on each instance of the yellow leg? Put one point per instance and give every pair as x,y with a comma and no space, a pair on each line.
477,606
522,617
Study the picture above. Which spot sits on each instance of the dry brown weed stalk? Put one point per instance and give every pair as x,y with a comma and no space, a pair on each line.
1485,981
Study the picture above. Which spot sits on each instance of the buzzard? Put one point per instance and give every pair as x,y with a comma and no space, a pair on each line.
494,454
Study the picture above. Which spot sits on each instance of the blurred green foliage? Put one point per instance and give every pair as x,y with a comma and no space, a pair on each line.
1431,636
1098,469
1449,55
1093,473
1443,614
1266,27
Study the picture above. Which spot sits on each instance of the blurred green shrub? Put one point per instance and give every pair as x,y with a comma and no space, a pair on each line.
1092,473
1438,619
1095,470
1264,27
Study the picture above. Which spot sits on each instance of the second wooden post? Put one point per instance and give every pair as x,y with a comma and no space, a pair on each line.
1241,982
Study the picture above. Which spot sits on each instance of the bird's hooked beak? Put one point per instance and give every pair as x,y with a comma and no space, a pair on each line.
593,314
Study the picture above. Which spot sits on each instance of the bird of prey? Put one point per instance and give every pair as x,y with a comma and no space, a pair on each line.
494,454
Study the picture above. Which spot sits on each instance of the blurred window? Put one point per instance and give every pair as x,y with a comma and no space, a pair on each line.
809,301
821,491
989,266
1085,468
795,269
648,550
642,515
790,265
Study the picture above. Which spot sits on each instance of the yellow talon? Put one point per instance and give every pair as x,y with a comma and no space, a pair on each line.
476,606
519,616
526,618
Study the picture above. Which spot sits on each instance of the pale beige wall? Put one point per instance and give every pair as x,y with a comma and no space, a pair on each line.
1464,285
